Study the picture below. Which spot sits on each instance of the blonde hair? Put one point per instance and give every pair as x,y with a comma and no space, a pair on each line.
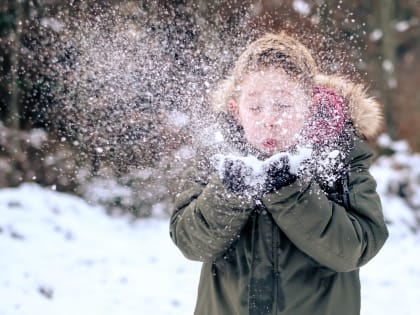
270,51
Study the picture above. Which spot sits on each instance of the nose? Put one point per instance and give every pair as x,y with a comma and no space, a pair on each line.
270,121
269,125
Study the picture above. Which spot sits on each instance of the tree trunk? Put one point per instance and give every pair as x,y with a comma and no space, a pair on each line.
13,119
13,116
386,10
328,43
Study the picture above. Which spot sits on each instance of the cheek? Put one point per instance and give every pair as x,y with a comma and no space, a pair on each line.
251,122
252,129
298,118
293,124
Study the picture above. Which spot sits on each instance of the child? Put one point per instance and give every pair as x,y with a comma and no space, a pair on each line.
294,243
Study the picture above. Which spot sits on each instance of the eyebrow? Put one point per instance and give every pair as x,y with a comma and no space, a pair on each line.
253,93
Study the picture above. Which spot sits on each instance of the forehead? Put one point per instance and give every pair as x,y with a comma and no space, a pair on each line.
270,81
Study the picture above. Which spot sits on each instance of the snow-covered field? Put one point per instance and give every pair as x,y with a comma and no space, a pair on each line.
60,255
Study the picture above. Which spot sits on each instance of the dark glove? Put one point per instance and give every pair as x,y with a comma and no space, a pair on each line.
234,175
278,174
238,177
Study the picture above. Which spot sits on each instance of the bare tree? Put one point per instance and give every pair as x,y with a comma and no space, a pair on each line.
386,10
13,119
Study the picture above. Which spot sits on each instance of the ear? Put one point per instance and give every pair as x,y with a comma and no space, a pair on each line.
233,108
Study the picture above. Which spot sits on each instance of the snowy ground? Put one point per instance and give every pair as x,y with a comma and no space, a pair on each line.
60,255
63,256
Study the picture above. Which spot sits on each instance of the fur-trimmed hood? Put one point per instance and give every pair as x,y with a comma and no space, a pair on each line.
365,112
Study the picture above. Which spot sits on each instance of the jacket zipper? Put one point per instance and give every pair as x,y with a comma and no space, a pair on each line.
251,289
277,292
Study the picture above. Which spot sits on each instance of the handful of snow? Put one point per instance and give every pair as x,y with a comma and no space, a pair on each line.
257,169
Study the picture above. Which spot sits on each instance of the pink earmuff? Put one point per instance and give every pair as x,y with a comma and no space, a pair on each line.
328,115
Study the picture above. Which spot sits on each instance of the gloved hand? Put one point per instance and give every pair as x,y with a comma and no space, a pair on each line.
235,174
240,177
278,174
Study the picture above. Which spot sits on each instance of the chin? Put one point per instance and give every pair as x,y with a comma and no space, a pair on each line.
282,149
271,151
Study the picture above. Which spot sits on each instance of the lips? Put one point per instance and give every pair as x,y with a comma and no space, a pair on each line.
270,143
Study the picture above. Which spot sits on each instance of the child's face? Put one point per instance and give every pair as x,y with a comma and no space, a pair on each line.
272,110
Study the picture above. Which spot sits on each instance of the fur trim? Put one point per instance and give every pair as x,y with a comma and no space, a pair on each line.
365,112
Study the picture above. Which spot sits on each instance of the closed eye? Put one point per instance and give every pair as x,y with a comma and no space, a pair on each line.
255,108
280,105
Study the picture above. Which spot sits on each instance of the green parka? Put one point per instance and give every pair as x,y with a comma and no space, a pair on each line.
293,252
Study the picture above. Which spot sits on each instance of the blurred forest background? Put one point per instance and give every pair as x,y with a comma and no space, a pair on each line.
97,98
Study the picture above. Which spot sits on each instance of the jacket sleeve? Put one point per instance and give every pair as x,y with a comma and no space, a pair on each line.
340,239
207,219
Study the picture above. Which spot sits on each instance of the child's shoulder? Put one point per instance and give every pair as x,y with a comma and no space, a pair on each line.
361,154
